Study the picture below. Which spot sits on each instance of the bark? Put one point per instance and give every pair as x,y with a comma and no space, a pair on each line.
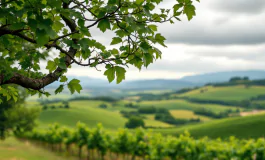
39,83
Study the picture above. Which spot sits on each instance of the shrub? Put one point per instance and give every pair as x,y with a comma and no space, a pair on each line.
103,106
147,110
135,122
45,107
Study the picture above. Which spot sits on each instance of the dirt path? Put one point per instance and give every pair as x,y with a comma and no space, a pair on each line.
254,112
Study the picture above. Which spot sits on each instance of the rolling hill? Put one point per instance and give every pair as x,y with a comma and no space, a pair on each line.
241,127
229,93
88,112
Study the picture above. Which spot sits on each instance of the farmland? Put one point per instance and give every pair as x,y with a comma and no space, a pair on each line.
248,125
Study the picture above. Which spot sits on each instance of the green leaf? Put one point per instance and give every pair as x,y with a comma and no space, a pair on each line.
41,37
189,10
62,63
148,58
47,94
81,22
74,85
116,40
32,24
160,39
139,2
153,27
114,51
57,26
177,7
144,46
51,66
59,89
113,2
63,79
104,24
120,74
110,73
18,25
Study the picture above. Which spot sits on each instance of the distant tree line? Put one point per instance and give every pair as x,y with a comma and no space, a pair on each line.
209,113
131,105
240,81
247,103
128,114
161,114
49,101
168,118
64,104
100,98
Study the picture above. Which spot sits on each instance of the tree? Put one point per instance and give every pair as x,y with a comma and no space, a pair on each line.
235,79
134,122
21,119
31,30
66,104
15,117
104,106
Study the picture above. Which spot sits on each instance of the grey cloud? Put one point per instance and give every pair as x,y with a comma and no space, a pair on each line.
239,6
210,27
217,30
190,65
255,52
200,65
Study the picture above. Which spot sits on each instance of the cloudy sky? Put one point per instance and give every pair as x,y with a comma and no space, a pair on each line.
224,36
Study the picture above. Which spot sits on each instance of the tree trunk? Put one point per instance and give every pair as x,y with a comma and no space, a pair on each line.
2,133
88,154
80,152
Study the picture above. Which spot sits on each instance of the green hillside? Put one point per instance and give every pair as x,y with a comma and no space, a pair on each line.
88,112
241,127
227,93
180,104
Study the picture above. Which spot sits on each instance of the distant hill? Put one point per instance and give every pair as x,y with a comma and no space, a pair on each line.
163,84
223,76
159,84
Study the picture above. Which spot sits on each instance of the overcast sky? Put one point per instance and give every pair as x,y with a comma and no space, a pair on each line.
224,36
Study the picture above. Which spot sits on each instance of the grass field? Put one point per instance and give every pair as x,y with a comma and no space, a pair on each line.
225,93
13,149
151,122
184,105
88,112
185,114
241,127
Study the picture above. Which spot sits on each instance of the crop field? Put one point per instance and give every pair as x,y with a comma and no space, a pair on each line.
185,114
151,122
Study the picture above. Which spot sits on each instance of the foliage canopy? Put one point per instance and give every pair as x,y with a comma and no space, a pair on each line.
31,30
